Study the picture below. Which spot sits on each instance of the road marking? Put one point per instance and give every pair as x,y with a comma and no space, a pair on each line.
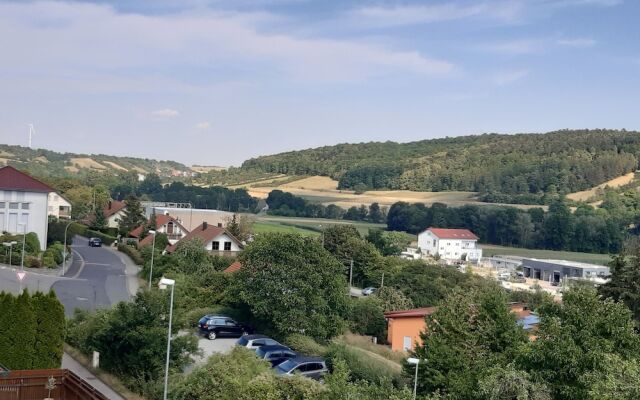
81,264
92,263
82,299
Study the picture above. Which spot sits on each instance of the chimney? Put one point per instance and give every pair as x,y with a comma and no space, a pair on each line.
204,226
109,205
219,224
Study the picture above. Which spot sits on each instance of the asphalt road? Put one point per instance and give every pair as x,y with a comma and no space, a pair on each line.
96,279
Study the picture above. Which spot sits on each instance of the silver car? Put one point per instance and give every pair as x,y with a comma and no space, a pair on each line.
255,341
310,367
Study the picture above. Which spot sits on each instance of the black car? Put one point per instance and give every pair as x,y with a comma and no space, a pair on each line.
214,326
275,354
95,242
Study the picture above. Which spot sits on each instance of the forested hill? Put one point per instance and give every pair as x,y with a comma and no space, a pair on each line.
503,168
46,163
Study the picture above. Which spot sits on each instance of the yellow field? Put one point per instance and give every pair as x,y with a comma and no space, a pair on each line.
613,183
322,189
203,169
41,159
87,162
115,166
313,183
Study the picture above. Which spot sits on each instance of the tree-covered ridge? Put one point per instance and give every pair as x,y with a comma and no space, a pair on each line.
47,163
503,168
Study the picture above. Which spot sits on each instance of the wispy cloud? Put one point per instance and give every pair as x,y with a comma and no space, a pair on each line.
202,126
576,42
515,47
503,78
165,113
89,37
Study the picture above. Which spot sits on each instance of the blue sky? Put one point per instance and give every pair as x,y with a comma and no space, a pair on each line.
217,82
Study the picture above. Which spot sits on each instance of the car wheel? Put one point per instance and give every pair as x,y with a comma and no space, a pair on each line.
212,335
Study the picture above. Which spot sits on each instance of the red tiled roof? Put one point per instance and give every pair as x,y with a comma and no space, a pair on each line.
147,241
113,207
233,267
206,233
12,179
416,312
443,233
161,220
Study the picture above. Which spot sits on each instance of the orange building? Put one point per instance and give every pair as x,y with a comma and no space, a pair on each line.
404,327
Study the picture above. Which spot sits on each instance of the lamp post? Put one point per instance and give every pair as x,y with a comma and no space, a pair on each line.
153,250
10,246
416,362
64,249
24,236
164,282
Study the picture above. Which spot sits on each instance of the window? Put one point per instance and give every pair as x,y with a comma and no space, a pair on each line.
406,343
227,246
13,206
219,224
217,321
25,206
170,228
230,323
434,243
215,245
2,204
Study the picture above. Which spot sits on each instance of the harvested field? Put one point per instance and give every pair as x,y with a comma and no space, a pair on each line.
41,159
204,168
71,169
115,166
585,195
319,183
87,162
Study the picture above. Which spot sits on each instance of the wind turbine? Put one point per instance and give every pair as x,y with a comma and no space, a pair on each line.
32,130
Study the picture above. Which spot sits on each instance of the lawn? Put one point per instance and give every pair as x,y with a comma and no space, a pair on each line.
592,258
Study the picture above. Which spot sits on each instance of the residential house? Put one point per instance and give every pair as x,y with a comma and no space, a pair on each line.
188,217
450,244
234,267
164,224
24,204
113,211
215,239
404,326
59,206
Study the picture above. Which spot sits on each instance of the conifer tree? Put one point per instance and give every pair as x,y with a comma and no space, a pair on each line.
6,320
50,328
21,334
132,217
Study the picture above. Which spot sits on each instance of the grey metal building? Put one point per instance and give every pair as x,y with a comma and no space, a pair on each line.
556,270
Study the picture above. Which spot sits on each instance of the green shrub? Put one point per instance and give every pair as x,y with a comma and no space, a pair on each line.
132,252
33,262
48,261
366,317
305,345
365,365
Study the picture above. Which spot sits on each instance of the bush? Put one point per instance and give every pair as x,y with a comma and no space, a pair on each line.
365,365
132,252
305,345
48,261
366,317
33,262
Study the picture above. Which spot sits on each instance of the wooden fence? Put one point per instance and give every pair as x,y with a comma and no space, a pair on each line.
30,385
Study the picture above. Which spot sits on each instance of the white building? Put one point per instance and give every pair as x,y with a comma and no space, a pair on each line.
450,244
113,211
215,239
59,207
24,203
164,224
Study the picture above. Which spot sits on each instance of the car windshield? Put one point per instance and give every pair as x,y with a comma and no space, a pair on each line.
261,353
242,341
202,320
286,366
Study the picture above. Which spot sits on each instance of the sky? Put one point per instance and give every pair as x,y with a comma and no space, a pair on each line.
217,82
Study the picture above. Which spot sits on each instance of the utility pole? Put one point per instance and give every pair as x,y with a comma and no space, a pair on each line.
351,275
382,281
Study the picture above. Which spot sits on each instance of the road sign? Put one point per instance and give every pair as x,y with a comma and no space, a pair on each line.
21,275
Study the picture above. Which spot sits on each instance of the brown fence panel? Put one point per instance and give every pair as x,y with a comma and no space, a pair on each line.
30,385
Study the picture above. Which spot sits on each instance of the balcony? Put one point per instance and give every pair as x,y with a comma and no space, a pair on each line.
28,385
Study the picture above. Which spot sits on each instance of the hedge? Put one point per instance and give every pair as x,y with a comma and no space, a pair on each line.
132,252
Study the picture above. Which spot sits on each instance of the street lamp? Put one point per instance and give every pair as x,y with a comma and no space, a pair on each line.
164,282
153,250
24,236
10,246
64,249
414,361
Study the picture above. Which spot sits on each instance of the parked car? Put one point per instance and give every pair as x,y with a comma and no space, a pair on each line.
368,291
311,367
275,353
255,341
215,326
504,276
95,242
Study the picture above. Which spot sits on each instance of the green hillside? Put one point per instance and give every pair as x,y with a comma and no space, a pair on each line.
46,163
519,168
